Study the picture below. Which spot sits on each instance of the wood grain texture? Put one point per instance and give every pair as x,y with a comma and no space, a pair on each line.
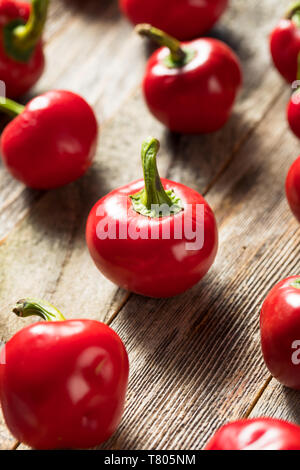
195,359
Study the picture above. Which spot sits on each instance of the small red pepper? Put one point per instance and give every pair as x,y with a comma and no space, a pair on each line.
280,332
292,188
190,87
184,19
153,237
256,434
285,43
21,50
63,383
52,141
293,112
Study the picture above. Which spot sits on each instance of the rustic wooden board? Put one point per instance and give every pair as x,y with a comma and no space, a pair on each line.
195,359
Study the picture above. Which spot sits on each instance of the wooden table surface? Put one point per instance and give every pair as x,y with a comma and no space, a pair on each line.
195,359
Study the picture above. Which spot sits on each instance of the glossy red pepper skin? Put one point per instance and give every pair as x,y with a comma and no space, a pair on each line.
198,97
151,267
64,384
183,19
52,142
280,332
256,434
19,77
292,187
293,113
285,48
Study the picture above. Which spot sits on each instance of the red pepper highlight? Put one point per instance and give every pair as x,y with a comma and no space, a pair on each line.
285,44
181,18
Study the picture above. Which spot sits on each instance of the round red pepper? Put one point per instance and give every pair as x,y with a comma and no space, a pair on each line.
63,383
285,44
21,51
153,237
52,141
292,187
293,113
190,87
256,434
184,19
280,332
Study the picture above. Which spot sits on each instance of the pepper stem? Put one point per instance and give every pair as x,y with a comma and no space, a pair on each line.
20,39
154,200
178,55
10,107
293,13
41,308
296,283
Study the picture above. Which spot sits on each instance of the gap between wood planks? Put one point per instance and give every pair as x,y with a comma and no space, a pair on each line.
210,185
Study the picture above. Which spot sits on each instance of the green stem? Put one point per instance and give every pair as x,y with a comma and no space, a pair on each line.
293,13
178,55
154,200
41,308
296,283
10,107
20,39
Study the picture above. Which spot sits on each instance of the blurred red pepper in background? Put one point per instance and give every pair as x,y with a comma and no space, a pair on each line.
21,51
183,19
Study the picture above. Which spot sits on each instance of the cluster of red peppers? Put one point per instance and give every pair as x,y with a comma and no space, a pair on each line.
63,383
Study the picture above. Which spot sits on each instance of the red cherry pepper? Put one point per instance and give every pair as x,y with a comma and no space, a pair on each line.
256,434
52,141
292,187
63,383
293,113
153,237
190,87
21,51
280,332
183,19
285,44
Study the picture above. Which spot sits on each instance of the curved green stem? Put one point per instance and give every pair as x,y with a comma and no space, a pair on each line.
154,200
20,39
178,56
293,13
41,308
10,107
